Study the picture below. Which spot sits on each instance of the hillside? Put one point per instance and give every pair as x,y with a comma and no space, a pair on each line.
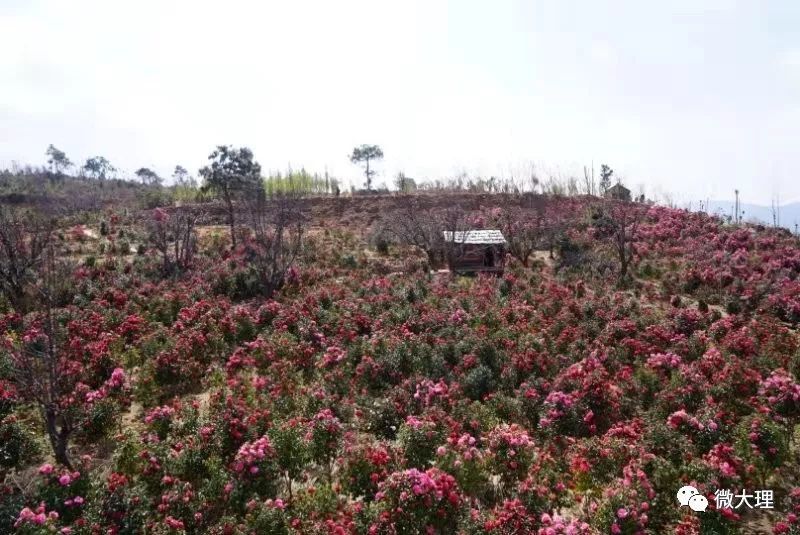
365,389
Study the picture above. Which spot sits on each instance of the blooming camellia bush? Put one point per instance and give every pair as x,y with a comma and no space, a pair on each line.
510,452
324,434
36,522
413,501
419,439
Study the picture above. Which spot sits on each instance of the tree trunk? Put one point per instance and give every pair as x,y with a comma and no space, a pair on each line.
59,439
232,222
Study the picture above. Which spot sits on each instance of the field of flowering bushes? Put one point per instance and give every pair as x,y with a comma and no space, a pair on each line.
371,396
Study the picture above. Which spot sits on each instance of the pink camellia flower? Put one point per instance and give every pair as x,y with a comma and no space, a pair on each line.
46,469
441,450
174,523
117,378
160,215
622,513
26,515
65,480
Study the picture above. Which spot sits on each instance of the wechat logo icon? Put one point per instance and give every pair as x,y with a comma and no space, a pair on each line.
689,496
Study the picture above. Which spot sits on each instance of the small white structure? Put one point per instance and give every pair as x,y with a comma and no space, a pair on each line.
475,237
476,250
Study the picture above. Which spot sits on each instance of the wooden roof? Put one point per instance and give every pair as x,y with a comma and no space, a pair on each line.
476,237
618,187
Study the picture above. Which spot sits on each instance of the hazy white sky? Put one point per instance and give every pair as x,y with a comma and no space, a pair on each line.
685,99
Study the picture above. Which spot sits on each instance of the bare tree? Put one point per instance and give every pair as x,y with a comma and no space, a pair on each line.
626,220
454,223
524,229
413,225
39,369
173,236
24,236
588,180
776,210
619,223
553,222
277,226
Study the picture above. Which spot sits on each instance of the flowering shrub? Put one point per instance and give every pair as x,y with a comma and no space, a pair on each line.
63,491
160,419
255,465
36,521
364,466
267,517
18,444
464,459
791,523
413,500
565,414
625,506
511,517
324,434
427,392
510,451
291,449
762,443
782,394
419,439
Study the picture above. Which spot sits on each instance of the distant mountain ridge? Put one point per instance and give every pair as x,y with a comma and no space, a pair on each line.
789,213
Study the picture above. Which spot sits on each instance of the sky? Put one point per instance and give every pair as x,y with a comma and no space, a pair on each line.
686,99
